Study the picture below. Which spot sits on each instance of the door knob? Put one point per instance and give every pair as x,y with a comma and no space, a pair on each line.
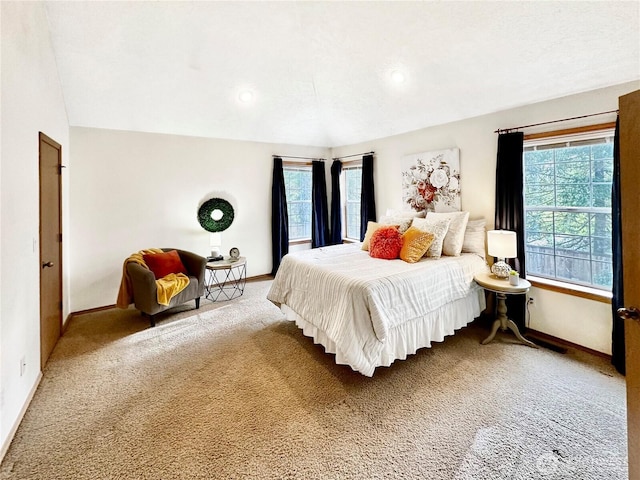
48,264
630,313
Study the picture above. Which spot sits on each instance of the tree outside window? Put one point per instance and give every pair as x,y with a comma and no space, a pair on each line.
567,198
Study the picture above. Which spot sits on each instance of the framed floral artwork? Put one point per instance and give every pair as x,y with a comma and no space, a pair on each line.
431,181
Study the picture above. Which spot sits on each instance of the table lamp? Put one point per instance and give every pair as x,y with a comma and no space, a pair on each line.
215,242
502,244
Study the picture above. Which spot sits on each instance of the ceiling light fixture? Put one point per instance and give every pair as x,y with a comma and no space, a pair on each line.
397,76
245,96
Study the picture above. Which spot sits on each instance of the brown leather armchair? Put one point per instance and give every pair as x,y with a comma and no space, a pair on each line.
145,292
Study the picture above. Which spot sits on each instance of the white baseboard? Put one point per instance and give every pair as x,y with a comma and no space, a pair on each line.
16,424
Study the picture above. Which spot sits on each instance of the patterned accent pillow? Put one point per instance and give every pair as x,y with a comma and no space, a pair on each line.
386,242
474,237
403,222
454,239
439,229
415,243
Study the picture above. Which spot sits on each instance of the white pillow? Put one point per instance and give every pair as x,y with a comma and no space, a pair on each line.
452,245
439,229
406,213
474,237
403,222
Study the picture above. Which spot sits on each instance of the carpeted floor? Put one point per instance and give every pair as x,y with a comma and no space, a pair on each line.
233,391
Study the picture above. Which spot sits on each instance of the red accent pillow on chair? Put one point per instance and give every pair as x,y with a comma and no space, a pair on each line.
162,264
386,242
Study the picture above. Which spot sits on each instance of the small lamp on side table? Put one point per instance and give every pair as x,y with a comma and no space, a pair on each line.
215,242
502,244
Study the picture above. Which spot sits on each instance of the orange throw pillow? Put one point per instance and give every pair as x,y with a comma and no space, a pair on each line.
162,264
415,243
386,243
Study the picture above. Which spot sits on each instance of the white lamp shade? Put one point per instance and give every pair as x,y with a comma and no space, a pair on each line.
502,243
215,239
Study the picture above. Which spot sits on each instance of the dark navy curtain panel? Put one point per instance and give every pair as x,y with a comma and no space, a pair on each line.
617,300
319,209
367,197
336,205
509,211
279,216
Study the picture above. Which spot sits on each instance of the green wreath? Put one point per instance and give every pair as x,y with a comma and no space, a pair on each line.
207,208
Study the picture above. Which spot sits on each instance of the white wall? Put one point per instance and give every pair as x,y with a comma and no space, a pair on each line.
31,102
133,190
579,320
587,322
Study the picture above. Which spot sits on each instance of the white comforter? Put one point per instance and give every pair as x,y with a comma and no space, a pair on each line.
358,301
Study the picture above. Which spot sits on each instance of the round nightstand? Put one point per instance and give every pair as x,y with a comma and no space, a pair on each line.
502,288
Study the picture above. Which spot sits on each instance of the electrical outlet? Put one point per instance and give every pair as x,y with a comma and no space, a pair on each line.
530,301
23,365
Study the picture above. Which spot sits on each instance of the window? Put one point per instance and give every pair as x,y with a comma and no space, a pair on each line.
353,187
297,182
567,207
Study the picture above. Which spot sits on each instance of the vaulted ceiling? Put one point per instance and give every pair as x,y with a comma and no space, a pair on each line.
320,73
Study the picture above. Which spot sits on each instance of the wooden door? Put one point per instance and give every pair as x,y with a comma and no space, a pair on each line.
629,180
50,246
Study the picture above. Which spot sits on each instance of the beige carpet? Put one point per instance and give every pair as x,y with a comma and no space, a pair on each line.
233,391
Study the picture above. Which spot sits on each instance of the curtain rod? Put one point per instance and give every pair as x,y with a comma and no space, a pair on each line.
354,155
508,130
301,158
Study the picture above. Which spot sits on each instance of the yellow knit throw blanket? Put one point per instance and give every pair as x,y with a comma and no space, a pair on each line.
168,286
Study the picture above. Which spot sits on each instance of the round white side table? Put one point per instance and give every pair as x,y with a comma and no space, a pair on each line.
502,288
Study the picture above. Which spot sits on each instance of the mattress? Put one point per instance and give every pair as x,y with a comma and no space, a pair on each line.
370,312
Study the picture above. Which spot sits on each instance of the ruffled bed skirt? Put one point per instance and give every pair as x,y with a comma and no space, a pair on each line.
407,338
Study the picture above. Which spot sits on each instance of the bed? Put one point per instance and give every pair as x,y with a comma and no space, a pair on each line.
370,312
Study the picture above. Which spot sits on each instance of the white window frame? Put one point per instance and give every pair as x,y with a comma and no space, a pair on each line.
307,167
556,283
351,165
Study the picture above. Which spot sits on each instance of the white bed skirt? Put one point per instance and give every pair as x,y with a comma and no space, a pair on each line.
408,337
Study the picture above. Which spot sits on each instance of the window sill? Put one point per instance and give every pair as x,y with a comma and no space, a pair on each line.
570,289
300,242
350,240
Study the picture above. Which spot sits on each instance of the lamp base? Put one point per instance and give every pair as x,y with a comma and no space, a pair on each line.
501,269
